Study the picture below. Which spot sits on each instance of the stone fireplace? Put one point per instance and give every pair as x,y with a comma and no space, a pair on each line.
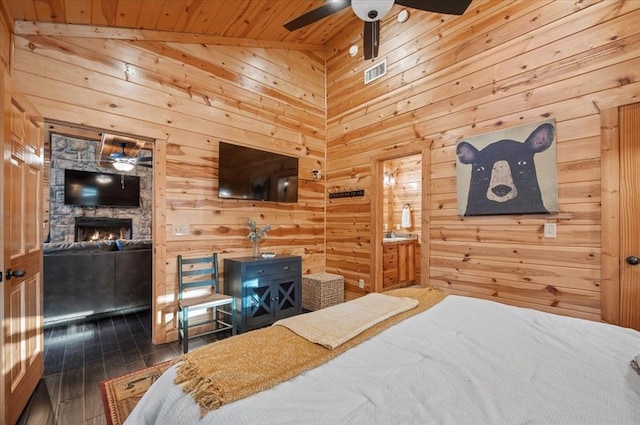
102,228
65,151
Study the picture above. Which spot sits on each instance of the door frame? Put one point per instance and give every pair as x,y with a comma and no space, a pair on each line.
160,324
610,215
2,240
377,203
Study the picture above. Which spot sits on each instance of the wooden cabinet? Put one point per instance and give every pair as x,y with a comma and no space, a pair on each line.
398,267
266,290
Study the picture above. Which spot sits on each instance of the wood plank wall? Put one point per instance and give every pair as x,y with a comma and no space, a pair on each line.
502,64
189,97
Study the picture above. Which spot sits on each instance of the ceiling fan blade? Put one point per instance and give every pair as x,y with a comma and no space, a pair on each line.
450,7
316,14
371,39
144,159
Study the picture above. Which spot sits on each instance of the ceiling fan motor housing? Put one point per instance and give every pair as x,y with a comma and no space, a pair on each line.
371,10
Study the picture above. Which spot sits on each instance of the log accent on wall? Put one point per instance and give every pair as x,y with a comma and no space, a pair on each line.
500,65
189,97
89,31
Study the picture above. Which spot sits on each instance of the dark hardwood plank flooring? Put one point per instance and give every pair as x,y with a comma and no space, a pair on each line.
78,356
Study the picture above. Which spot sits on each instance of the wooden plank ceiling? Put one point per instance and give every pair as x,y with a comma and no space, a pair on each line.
242,19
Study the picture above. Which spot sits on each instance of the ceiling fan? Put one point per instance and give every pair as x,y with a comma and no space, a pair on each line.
122,152
371,12
122,161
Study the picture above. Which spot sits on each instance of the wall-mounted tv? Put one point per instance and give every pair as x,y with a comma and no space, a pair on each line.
253,174
101,189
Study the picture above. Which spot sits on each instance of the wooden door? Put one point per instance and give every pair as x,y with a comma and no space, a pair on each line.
21,303
630,216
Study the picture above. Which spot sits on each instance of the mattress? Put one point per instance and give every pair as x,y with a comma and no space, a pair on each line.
464,361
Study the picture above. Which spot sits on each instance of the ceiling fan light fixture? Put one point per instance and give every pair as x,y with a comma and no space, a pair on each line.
371,10
123,166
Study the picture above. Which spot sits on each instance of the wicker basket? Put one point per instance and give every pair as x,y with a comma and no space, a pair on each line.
320,290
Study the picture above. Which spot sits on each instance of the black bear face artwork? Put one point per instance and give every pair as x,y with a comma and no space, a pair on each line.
503,176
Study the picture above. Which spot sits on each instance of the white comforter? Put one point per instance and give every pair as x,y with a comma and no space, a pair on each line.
464,361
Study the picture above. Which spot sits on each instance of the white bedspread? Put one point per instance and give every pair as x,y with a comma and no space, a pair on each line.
464,361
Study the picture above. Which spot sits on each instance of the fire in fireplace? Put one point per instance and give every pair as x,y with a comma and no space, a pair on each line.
102,228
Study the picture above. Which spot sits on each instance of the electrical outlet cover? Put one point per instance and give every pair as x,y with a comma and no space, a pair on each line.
550,230
180,230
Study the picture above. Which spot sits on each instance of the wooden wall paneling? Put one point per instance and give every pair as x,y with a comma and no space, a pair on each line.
159,115
519,103
309,90
191,112
166,76
489,78
406,62
544,67
448,78
486,63
190,104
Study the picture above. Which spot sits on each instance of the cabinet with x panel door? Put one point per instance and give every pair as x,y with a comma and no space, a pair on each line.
266,290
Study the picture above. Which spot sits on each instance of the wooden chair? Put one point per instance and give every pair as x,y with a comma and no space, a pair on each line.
198,291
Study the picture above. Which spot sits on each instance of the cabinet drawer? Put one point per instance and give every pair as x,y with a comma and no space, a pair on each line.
280,268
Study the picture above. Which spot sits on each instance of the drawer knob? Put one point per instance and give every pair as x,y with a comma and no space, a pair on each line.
260,271
285,268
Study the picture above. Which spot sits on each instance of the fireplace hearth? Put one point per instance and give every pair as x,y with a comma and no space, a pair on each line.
102,228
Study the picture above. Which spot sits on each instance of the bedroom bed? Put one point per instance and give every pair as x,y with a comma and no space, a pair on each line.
462,361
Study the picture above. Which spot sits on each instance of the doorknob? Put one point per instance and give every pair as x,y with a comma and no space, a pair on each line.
15,273
632,260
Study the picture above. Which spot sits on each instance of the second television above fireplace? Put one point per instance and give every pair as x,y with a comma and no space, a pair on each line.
101,189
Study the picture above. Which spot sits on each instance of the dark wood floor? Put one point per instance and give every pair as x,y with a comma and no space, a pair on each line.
81,355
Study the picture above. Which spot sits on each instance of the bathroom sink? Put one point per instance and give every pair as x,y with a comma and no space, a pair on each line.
395,239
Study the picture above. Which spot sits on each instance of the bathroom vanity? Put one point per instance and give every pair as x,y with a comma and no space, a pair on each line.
399,263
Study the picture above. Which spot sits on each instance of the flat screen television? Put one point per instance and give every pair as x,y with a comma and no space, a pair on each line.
253,174
101,189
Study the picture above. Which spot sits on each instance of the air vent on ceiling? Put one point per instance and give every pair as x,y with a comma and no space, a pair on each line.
375,71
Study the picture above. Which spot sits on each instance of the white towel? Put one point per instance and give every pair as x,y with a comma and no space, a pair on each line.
406,217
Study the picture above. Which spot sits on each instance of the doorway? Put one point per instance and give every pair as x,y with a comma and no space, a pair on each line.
101,213
620,212
399,231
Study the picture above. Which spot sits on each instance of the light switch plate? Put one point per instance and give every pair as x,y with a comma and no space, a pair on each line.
180,230
549,230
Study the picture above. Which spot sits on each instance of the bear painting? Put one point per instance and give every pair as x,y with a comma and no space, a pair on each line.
504,172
